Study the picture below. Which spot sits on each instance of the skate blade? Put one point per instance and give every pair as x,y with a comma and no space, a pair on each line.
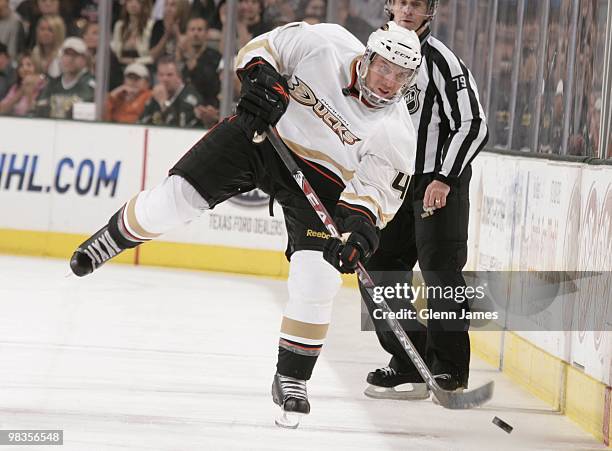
288,420
416,391
437,403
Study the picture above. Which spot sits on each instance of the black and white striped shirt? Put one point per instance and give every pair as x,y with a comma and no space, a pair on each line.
446,112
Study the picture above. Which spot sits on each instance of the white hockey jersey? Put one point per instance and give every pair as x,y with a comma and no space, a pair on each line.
371,150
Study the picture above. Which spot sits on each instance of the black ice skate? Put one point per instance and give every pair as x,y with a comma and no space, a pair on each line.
386,383
290,394
94,252
103,245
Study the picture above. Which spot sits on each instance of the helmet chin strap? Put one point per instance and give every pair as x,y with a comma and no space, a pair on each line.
358,68
423,27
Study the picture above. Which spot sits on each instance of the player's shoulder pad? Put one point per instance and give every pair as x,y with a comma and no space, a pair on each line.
332,32
291,25
293,28
318,34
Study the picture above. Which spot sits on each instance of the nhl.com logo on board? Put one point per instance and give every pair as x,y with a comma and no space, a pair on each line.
253,198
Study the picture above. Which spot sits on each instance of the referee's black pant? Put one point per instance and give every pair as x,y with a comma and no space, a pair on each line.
439,243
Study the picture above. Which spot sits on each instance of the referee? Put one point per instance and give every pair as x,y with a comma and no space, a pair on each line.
451,128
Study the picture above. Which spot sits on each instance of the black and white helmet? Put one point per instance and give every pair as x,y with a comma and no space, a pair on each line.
397,45
432,8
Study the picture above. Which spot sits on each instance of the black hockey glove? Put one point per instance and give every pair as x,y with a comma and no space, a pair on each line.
264,96
361,243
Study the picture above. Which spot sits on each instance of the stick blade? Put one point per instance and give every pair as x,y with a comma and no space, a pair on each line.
467,399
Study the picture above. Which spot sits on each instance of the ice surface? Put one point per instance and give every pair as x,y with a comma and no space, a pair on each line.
135,358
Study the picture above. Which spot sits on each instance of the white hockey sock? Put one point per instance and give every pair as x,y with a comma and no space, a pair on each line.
156,211
313,283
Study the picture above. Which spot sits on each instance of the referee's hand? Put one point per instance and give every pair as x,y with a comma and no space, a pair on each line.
435,195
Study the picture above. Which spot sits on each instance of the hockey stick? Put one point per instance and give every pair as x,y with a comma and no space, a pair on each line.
448,399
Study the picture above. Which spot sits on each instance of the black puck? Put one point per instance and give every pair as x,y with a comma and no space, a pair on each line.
502,424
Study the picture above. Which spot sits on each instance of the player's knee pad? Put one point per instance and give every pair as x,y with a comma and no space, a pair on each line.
172,203
313,283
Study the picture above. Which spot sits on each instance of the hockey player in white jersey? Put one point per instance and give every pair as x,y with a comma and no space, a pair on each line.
337,107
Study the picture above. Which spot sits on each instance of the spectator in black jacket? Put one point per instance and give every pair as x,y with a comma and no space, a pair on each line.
173,102
201,69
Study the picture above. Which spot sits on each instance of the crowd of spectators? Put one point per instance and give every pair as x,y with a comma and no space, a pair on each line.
165,61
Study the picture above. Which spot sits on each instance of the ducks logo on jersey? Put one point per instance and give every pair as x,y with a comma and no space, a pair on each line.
302,94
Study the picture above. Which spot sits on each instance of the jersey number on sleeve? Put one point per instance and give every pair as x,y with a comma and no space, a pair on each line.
460,82
401,183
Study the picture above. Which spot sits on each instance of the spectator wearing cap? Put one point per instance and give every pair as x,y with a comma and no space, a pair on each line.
11,30
126,103
76,84
173,102
7,71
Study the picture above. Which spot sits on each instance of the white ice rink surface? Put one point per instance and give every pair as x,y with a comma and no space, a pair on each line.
136,358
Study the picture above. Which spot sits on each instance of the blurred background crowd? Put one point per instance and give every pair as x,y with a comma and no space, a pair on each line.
540,65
